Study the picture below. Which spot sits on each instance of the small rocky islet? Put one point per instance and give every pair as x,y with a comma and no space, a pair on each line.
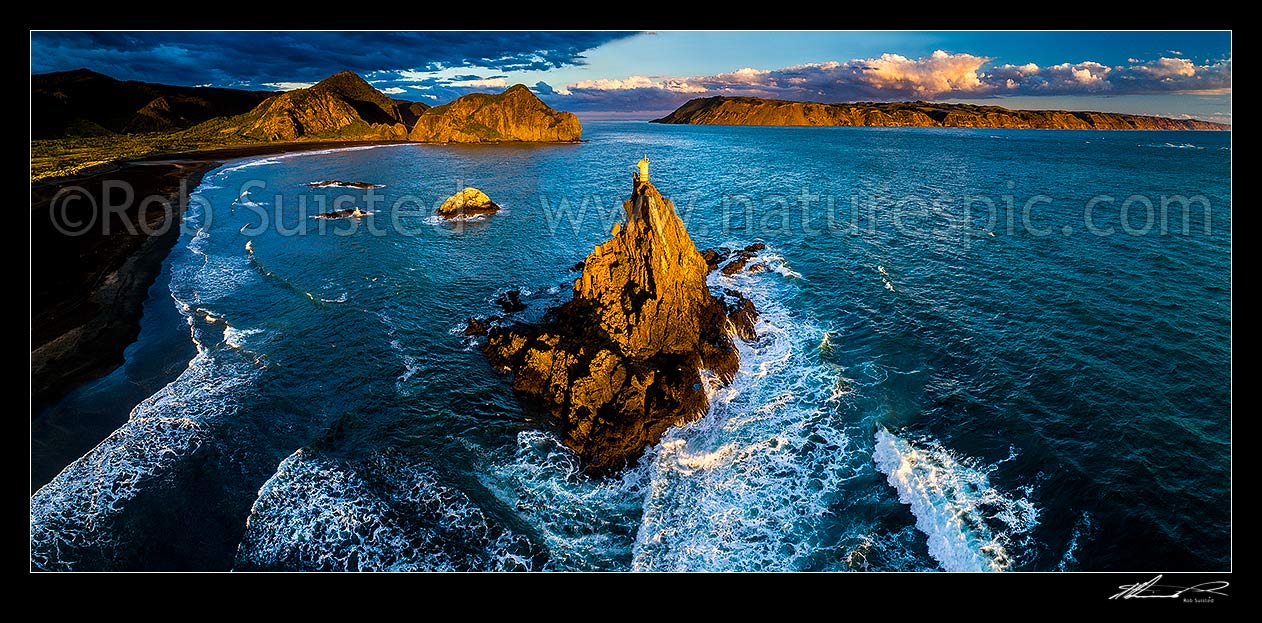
347,213
342,184
466,203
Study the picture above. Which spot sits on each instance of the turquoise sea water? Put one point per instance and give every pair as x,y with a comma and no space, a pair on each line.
979,350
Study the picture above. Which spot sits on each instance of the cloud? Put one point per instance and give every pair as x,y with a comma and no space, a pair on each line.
543,88
941,75
634,82
444,86
254,58
393,90
498,82
1168,68
672,85
1163,75
287,86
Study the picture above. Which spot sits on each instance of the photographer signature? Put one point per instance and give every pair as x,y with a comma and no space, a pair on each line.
1152,590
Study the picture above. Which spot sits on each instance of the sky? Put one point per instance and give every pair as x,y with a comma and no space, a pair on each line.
643,75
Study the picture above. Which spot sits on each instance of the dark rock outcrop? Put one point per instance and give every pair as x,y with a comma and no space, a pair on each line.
467,202
348,213
511,301
514,115
621,362
722,110
740,258
341,184
714,257
742,314
475,327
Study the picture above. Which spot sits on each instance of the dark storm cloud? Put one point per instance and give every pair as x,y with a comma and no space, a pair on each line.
255,58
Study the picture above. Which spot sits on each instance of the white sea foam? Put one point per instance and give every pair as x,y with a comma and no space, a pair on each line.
412,364
332,150
385,512
1084,528
236,338
1171,145
970,525
882,550
73,516
768,257
748,486
248,164
435,219
244,200
585,524
279,158
885,277
777,264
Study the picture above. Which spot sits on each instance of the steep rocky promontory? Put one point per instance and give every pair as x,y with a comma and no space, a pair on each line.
514,115
756,111
622,362
342,106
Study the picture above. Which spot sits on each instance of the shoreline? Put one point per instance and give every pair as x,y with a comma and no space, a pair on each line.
88,291
934,127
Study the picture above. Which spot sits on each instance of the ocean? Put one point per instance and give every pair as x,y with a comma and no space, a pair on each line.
979,350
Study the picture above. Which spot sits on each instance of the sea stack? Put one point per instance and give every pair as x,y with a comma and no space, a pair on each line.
622,361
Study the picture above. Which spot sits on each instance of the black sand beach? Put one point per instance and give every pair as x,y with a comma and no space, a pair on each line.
88,290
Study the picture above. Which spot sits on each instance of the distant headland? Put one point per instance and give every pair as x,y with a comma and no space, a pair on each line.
756,111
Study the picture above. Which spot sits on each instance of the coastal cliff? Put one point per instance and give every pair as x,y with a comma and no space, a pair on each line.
514,115
622,361
755,111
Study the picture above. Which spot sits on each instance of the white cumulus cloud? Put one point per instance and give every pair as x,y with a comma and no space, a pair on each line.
887,77
939,73
492,83
1166,67
606,84
288,86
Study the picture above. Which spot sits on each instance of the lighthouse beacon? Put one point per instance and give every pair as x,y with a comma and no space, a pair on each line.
643,175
